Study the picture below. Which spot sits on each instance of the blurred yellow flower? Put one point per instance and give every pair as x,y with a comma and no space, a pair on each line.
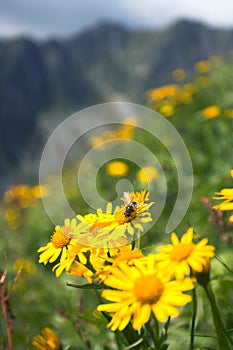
147,174
139,290
47,340
27,267
179,74
190,88
228,113
215,61
202,82
211,112
185,97
203,67
167,110
179,257
163,92
117,168
40,191
126,131
24,196
11,215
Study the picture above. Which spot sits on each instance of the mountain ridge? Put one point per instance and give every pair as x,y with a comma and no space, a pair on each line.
101,64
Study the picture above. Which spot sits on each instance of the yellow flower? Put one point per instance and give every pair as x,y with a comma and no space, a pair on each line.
203,67
13,217
202,82
166,91
138,290
211,112
167,110
47,340
40,191
228,113
190,88
225,194
147,174
117,168
60,241
215,61
25,265
125,254
124,131
179,74
78,269
185,98
76,251
111,228
181,256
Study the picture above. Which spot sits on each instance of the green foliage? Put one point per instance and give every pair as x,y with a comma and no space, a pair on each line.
39,299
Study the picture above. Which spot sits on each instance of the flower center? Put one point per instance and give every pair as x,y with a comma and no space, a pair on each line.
59,240
181,251
121,218
148,289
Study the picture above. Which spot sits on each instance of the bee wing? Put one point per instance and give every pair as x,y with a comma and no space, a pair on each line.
126,198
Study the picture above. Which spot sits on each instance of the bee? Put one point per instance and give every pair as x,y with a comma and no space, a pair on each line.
130,207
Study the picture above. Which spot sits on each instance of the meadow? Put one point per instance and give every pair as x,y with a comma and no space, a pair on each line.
35,298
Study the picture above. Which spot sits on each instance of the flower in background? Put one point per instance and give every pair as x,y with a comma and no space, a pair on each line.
40,191
12,217
228,113
167,110
179,74
24,196
180,257
138,290
202,82
189,88
226,194
147,174
60,242
117,168
166,91
125,131
203,67
27,267
211,112
47,340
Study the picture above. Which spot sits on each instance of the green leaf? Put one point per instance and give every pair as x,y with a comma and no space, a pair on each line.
85,286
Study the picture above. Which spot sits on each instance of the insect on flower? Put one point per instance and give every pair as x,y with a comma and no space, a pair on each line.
130,207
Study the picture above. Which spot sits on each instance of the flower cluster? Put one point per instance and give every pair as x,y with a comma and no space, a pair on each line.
125,131
165,99
18,198
136,285
24,196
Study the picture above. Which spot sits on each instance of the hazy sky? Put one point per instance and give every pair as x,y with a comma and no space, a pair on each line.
43,18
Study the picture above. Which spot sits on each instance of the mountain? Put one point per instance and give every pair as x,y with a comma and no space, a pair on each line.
107,62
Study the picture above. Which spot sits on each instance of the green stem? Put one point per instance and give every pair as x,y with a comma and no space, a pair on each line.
222,335
152,335
194,304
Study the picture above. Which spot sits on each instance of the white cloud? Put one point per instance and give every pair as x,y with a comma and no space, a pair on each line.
58,17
